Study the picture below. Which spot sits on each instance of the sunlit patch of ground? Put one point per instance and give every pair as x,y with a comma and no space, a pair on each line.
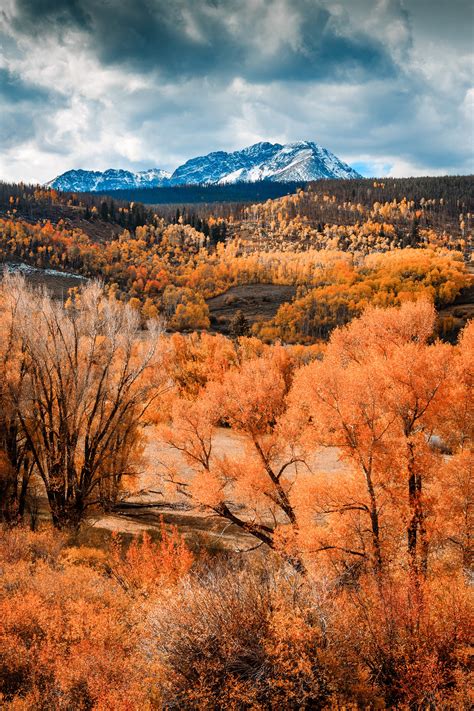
156,502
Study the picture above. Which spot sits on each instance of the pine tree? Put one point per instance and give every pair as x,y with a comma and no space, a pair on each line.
239,326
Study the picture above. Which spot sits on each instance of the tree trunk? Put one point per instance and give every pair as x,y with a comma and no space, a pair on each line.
416,532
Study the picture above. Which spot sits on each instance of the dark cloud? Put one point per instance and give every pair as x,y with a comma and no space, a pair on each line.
439,21
14,90
24,108
50,15
188,38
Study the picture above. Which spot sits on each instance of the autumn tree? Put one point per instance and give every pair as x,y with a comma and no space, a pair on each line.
378,397
85,391
454,524
250,487
239,326
342,516
16,462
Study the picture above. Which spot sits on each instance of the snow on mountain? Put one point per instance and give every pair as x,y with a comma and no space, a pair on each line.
215,167
303,160
85,181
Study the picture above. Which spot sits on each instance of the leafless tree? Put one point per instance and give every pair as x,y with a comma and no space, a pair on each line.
88,383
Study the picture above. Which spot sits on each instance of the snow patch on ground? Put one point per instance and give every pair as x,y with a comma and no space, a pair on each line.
27,269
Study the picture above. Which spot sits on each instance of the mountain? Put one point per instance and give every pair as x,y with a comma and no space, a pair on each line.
303,160
87,181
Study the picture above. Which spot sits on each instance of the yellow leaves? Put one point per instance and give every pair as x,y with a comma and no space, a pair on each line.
447,292
193,360
85,556
382,280
149,310
159,256
188,317
134,303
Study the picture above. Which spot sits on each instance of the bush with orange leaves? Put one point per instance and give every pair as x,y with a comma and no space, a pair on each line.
141,630
257,636
410,639
243,637
72,635
148,565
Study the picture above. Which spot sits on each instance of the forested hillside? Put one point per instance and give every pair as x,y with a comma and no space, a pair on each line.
339,253
455,190
313,466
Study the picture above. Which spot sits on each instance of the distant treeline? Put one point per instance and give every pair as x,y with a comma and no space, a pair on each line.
457,191
191,194
454,195
35,202
103,212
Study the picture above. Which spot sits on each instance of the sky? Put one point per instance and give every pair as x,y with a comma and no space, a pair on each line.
387,85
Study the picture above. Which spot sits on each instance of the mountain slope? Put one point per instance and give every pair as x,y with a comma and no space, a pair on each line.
303,160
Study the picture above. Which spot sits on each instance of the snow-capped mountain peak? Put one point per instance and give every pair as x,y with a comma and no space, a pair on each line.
301,160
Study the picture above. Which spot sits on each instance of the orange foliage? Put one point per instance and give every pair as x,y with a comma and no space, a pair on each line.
146,565
358,595
381,396
168,270
69,637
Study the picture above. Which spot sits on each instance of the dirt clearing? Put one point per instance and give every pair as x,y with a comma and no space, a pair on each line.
256,301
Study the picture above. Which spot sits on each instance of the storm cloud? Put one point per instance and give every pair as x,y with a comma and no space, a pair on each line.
386,85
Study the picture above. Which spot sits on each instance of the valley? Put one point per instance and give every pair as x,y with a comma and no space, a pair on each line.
211,423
